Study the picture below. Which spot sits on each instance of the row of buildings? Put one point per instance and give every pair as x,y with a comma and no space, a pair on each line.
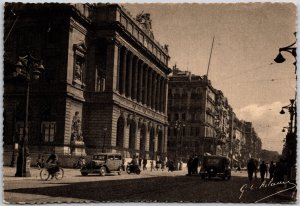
107,88
202,121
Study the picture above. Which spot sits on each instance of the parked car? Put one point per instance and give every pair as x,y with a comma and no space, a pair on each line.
215,166
103,163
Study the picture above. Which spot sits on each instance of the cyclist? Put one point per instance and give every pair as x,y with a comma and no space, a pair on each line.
52,161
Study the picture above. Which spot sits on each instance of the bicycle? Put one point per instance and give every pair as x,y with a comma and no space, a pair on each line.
46,172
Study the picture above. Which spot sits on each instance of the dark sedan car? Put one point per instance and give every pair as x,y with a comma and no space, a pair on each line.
215,166
102,164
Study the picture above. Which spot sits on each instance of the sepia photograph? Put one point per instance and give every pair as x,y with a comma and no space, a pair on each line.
149,102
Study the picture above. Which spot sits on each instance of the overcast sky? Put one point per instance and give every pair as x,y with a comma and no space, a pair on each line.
247,39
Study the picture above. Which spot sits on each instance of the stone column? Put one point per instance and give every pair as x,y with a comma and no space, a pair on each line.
140,81
119,69
112,65
149,87
155,142
137,140
129,75
145,85
153,102
135,78
147,139
157,105
123,71
165,139
164,95
165,101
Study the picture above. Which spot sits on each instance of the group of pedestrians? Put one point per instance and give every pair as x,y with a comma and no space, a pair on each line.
159,164
276,172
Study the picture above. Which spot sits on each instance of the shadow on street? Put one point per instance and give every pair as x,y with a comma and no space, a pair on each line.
160,189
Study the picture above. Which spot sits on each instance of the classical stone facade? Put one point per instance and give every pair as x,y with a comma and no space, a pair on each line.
105,85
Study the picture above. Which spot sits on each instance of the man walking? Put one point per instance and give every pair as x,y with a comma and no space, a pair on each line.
250,169
262,170
272,170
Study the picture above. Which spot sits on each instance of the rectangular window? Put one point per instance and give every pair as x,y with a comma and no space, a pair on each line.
20,130
48,131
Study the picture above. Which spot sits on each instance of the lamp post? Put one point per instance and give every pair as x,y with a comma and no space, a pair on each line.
293,115
292,49
290,144
104,137
29,68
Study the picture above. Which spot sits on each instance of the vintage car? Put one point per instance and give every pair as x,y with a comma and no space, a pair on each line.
215,166
103,163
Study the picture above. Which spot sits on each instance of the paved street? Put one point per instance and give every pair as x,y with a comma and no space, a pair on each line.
148,186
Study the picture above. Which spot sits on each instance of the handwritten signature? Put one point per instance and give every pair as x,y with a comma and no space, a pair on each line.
266,184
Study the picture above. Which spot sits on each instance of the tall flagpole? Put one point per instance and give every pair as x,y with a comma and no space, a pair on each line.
212,46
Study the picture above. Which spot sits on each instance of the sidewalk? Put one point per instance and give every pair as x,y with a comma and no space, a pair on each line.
9,173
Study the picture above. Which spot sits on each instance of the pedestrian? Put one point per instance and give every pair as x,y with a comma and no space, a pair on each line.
163,165
250,169
140,162
279,171
145,163
170,165
262,170
267,171
271,170
190,166
151,165
158,165
195,164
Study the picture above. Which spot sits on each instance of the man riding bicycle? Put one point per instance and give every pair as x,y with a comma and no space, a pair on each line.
52,164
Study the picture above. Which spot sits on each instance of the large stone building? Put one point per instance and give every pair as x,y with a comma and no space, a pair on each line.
105,84
202,121
192,116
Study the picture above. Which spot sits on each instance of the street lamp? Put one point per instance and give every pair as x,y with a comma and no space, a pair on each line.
29,68
293,115
292,49
104,137
290,144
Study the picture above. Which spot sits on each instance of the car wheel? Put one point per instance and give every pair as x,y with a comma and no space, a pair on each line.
224,177
228,178
102,171
120,171
84,173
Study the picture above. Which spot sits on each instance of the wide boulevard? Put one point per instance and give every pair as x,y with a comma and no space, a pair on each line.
149,186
